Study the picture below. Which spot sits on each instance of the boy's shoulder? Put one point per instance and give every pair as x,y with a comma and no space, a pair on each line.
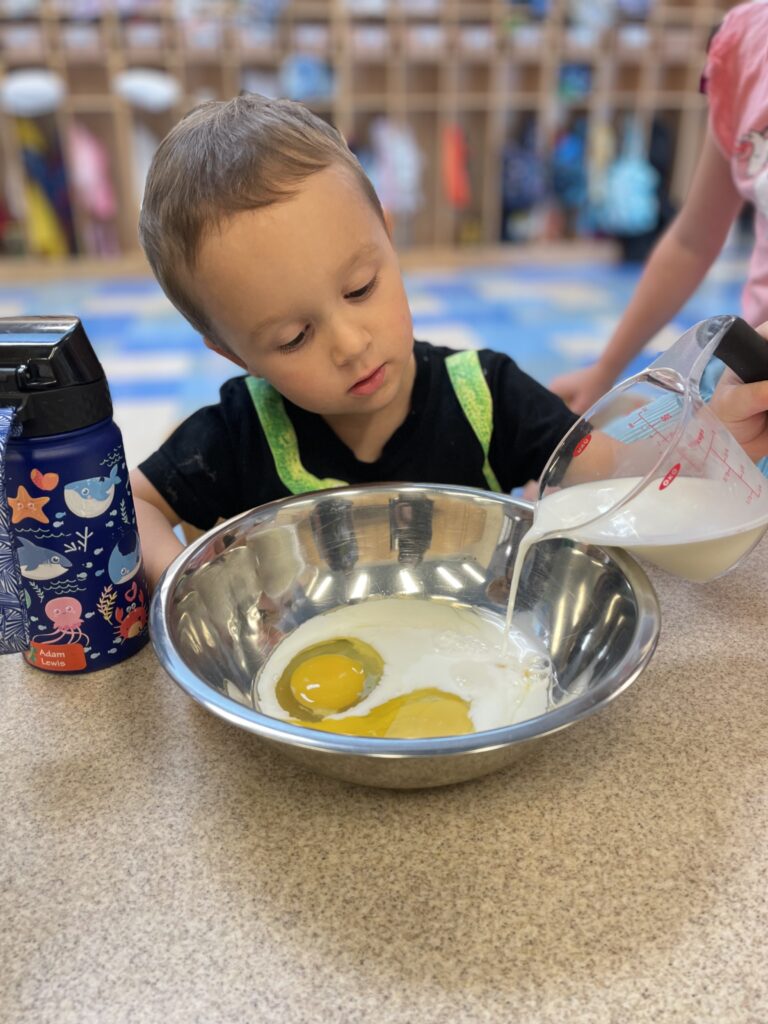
234,390
238,397
438,354
234,412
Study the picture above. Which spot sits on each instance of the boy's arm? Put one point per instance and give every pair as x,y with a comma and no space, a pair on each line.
155,519
676,267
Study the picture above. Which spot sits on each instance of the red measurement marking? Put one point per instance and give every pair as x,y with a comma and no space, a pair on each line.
581,445
669,477
730,471
652,425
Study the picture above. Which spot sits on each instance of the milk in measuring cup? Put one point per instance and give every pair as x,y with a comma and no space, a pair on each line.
696,529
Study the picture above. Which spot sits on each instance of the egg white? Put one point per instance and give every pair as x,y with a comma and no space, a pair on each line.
426,644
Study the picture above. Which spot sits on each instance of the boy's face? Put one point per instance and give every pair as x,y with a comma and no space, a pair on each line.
308,294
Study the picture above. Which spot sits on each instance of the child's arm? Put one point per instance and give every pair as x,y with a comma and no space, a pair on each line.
156,519
676,267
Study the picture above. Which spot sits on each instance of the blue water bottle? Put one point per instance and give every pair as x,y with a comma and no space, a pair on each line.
73,597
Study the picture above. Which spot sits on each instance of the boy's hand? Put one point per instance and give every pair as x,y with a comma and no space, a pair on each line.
743,408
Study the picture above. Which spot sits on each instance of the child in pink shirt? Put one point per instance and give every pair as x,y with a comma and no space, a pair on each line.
736,81
732,168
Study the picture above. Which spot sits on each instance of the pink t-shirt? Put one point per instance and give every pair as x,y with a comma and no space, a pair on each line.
737,87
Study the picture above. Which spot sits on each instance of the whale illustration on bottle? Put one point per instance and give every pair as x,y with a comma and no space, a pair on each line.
125,559
91,497
39,563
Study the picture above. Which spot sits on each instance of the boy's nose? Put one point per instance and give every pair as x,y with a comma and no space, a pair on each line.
349,341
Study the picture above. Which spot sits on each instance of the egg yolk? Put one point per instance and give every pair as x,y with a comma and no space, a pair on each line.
328,677
418,715
328,683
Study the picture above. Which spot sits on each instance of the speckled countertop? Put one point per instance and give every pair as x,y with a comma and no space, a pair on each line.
160,866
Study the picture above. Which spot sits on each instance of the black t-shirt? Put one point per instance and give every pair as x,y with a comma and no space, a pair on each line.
218,462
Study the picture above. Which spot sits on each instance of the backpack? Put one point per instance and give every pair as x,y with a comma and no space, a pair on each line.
523,180
630,200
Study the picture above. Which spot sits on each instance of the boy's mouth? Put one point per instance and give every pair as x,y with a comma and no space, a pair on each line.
367,385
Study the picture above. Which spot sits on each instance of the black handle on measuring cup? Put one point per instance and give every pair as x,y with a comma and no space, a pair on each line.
743,350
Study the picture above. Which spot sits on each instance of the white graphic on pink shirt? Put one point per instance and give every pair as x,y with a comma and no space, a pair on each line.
753,146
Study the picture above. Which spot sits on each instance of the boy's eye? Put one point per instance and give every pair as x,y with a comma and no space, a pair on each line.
360,293
295,342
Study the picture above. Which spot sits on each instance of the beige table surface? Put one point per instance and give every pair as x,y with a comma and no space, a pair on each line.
158,865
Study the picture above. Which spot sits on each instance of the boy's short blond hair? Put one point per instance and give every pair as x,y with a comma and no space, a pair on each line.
221,158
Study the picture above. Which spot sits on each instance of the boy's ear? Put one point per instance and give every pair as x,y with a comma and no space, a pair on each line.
225,352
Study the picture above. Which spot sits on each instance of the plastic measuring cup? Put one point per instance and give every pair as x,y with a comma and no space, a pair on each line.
652,469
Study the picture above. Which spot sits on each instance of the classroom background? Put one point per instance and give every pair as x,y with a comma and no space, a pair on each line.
530,155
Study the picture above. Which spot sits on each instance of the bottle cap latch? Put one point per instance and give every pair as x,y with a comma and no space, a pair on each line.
35,375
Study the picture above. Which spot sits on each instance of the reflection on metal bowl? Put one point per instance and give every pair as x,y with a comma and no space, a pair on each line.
230,597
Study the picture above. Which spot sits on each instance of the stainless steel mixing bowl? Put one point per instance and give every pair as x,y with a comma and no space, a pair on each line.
230,597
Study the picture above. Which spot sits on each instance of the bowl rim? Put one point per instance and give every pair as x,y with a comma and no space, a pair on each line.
273,729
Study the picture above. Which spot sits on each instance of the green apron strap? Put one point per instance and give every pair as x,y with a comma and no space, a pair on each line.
282,441
474,396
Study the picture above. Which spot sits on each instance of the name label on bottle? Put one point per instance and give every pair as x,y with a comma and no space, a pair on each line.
56,657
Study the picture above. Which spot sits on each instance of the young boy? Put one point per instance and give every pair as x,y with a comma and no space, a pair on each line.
265,233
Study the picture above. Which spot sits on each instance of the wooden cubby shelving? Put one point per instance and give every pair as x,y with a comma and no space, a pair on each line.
485,65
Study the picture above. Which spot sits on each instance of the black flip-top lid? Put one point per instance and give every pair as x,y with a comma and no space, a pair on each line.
51,375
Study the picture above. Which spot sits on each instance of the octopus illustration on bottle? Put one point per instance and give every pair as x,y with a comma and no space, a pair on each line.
65,614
